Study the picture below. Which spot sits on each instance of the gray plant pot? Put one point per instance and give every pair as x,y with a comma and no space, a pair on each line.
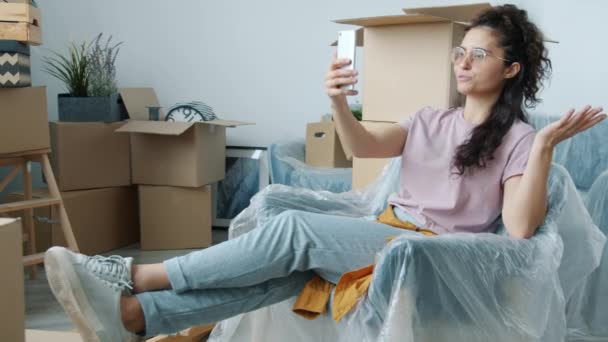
87,109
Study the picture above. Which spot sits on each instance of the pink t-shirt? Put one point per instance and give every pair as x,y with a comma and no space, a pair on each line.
446,203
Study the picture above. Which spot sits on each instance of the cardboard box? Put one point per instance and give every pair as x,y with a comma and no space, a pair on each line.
406,63
187,154
42,227
101,219
174,217
324,148
89,155
21,22
12,310
23,120
366,170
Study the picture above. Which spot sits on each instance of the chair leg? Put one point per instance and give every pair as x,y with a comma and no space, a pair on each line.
28,214
55,193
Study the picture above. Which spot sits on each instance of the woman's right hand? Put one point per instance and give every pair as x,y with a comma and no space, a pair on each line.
337,77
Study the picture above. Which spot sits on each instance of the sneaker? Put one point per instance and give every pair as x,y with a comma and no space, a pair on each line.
89,290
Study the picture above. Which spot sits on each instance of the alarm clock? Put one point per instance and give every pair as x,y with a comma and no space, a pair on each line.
190,112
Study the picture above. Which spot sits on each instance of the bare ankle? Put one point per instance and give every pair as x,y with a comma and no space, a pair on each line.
137,279
132,315
149,278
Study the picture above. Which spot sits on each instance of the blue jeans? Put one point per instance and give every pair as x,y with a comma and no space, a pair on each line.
264,266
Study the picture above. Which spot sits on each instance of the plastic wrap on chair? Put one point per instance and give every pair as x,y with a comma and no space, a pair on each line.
597,201
588,310
287,166
456,287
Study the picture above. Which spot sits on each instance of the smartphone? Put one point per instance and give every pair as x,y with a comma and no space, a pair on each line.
347,45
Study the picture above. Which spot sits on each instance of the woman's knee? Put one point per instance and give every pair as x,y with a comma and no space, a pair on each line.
286,220
289,215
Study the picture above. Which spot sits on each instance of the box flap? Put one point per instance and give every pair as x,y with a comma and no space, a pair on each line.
391,20
459,13
225,123
155,127
137,101
172,128
358,38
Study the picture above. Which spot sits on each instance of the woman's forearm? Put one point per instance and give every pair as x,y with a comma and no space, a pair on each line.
528,208
352,134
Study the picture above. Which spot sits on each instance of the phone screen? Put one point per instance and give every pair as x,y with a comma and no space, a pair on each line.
346,49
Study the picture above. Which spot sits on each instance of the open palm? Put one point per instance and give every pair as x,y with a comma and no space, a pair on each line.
571,124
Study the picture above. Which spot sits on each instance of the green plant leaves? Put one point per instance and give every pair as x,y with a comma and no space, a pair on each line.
88,69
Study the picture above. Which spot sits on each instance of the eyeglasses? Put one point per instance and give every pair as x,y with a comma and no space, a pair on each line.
478,55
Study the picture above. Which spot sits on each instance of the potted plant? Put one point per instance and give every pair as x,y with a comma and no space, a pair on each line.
89,74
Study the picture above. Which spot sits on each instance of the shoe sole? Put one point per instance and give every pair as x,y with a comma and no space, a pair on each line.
66,287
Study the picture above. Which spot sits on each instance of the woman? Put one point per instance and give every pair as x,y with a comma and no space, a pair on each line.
487,144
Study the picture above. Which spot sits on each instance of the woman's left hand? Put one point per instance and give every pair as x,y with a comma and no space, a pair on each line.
570,125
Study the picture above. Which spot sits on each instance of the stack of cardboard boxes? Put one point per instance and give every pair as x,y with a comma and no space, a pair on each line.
23,113
92,169
23,127
173,164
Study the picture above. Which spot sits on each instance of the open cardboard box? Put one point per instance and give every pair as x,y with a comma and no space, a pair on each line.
406,63
20,22
187,154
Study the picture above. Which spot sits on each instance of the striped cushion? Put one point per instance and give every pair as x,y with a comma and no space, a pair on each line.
14,70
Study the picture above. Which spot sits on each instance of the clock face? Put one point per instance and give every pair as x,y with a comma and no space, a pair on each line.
184,114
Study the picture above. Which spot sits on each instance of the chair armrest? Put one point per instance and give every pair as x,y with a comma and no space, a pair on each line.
469,277
597,201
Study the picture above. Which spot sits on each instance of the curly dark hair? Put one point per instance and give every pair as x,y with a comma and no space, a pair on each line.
522,42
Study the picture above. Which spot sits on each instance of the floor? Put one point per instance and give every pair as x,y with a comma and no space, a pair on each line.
44,313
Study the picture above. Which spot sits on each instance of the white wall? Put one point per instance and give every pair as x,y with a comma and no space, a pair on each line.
579,60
